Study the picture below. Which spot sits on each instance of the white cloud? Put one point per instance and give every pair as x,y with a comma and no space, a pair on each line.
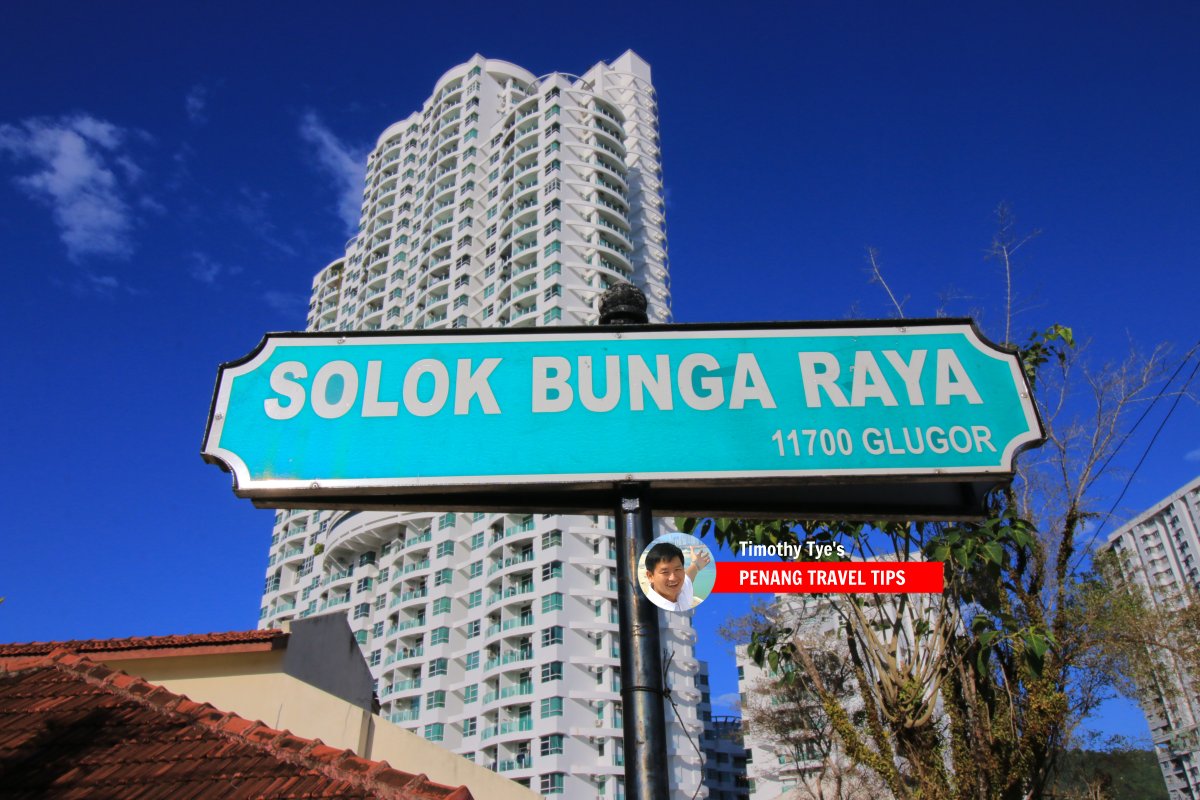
1193,455
88,284
346,165
83,173
106,283
206,270
196,103
287,303
731,701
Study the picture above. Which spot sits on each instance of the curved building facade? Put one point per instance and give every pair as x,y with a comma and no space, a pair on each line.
506,200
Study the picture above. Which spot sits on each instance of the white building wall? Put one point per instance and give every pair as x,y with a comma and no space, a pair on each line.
1160,550
506,200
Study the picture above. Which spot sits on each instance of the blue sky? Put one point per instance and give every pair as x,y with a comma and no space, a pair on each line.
171,176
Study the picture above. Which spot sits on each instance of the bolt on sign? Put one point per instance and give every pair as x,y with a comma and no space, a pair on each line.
873,419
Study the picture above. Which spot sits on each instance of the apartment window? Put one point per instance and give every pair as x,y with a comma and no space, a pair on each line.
360,637
362,610
364,584
439,635
553,247
375,658
377,630
443,577
475,598
366,558
552,602
469,727
476,569
438,666
380,602
552,269
552,671
551,292
552,315
435,731
551,745
435,699
552,635
550,784
472,629
552,226
552,111
552,707
553,166
552,186
471,693
472,661
552,570
476,541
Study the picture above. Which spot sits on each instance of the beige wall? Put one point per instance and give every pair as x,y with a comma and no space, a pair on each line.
251,686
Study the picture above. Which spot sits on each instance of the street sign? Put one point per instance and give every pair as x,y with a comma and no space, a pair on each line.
872,418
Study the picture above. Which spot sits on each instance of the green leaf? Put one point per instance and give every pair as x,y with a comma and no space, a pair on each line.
1036,643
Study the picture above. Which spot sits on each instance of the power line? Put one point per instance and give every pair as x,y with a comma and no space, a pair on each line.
1183,390
1182,362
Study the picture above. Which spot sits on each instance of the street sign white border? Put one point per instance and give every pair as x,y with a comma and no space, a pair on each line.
247,486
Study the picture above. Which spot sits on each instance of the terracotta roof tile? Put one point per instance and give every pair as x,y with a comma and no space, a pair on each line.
71,728
186,640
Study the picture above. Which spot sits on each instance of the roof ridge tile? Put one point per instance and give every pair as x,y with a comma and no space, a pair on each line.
141,642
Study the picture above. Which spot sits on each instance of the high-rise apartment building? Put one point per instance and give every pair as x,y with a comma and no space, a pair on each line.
1159,550
506,200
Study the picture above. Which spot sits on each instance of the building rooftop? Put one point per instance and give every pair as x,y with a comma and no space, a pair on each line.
225,642
70,727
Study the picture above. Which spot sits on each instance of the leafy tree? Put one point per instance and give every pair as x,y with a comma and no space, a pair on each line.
1117,771
976,692
783,709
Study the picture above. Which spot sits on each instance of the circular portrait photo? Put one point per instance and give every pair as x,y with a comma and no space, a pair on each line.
676,572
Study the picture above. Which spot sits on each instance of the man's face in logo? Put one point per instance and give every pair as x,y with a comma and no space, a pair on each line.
667,578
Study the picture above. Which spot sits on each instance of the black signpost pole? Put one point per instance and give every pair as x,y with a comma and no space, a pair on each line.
641,658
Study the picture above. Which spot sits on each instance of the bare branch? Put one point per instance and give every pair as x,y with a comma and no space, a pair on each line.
877,277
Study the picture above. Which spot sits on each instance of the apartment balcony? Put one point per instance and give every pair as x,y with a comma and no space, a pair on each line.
511,726
520,690
508,625
510,657
509,562
408,715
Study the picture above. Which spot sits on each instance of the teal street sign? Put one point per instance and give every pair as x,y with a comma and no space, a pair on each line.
770,417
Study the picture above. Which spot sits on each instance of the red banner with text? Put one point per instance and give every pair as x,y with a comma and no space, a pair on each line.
829,577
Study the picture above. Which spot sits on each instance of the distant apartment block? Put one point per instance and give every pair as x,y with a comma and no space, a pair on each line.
506,200
1159,550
